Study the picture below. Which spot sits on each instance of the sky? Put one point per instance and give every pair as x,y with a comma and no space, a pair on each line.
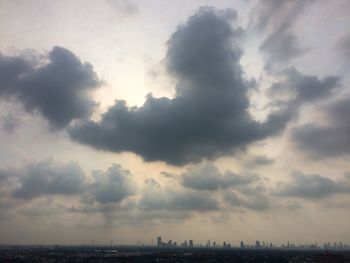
125,120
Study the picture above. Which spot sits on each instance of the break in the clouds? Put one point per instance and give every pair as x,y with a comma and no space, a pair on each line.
276,18
328,139
59,88
313,186
209,115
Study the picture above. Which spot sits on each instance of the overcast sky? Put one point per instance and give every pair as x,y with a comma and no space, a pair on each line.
125,120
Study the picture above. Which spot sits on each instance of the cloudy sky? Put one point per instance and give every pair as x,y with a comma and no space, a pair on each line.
124,120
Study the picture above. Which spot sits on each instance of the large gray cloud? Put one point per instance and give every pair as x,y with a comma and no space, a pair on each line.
48,178
32,189
277,18
112,186
238,191
208,116
157,198
208,177
58,89
299,88
313,186
330,139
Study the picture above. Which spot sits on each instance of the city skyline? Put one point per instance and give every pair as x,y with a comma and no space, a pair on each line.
220,120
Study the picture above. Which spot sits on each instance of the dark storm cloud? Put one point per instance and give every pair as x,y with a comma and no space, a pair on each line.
276,18
112,186
330,139
302,88
313,186
208,177
209,115
59,89
48,178
157,198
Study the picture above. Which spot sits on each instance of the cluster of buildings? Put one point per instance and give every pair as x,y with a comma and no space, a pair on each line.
170,243
189,244
257,245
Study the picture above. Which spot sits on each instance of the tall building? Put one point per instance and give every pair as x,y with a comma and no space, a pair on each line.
242,244
159,241
191,243
257,244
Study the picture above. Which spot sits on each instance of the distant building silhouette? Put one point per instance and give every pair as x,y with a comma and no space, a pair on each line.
257,244
161,244
242,244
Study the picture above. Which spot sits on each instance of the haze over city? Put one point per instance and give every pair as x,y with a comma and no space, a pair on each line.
126,120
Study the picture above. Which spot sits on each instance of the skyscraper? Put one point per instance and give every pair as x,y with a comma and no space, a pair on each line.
257,244
242,244
159,241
